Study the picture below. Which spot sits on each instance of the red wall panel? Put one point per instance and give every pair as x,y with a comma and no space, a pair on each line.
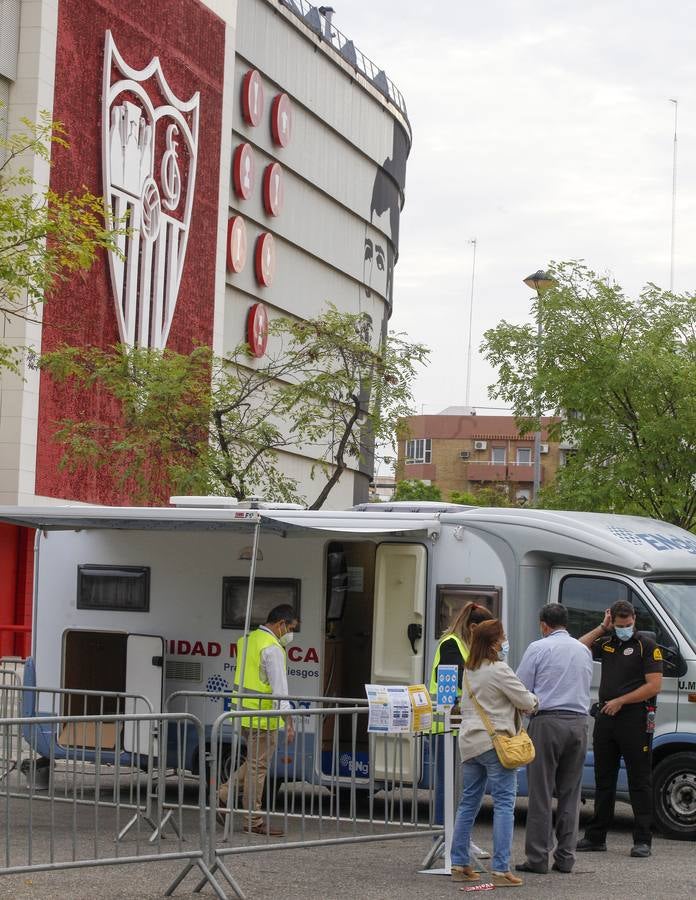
190,42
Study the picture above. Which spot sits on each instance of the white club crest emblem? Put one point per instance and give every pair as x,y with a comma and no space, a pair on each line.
149,152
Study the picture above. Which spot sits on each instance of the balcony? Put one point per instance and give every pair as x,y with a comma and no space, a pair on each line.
486,471
510,472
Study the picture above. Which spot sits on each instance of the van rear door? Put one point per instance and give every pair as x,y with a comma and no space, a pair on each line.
397,654
144,676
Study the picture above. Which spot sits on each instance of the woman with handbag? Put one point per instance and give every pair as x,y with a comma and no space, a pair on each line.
492,744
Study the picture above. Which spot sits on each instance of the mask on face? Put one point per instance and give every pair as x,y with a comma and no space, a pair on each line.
504,650
286,638
623,634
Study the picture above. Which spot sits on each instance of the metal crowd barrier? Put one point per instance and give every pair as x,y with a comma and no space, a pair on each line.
330,796
102,792
94,789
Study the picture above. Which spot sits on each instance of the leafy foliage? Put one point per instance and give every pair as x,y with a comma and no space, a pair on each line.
485,496
202,425
413,489
621,373
45,237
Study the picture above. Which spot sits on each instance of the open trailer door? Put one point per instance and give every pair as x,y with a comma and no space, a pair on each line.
398,645
145,677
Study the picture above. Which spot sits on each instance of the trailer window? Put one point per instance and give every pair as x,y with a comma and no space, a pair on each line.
451,598
586,597
268,592
113,588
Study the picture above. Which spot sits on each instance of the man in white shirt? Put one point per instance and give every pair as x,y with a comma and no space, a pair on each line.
265,672
558,669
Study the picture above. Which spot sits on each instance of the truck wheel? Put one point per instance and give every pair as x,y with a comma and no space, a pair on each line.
674,792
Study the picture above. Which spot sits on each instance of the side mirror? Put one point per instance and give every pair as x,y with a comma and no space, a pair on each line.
673,663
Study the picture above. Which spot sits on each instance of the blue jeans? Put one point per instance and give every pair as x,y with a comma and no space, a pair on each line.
502,782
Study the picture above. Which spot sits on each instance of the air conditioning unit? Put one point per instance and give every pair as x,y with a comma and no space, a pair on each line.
480,445
543,448
464,454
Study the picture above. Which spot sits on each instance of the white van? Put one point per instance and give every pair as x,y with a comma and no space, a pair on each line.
153,600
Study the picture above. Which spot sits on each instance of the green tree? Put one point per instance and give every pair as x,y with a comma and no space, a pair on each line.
45,236
413,489
198,424
485,496
621,374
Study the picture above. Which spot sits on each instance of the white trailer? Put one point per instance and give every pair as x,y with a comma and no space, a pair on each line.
154,600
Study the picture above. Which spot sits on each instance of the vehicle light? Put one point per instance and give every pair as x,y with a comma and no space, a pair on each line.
691,698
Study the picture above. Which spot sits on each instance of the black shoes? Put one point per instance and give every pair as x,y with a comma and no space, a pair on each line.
585,846
557,868
642,851
525,867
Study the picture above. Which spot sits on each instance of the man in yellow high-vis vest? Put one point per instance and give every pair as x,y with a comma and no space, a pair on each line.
265,672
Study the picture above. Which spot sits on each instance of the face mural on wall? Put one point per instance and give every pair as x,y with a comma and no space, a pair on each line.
379,253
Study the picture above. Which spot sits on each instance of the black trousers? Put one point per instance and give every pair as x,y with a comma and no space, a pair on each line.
616,736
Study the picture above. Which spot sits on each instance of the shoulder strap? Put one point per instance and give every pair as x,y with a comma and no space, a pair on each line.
484,716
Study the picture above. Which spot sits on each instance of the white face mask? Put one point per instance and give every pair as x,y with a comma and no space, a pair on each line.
286,638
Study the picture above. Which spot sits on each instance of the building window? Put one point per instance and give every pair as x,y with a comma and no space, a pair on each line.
419,451
524,456
268,592
498,456
113,587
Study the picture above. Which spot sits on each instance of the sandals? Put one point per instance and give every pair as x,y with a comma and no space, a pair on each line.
505,879
464,873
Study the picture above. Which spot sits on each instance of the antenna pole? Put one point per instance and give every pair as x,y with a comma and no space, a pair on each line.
471,320
674,197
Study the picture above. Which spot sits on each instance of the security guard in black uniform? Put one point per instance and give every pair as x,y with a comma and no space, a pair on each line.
631,677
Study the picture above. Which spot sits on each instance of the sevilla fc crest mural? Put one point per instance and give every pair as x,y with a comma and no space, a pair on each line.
150,145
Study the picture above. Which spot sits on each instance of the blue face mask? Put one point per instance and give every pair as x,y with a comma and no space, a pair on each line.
624,634
504,650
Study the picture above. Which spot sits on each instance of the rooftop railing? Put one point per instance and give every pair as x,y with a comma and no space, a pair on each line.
323,26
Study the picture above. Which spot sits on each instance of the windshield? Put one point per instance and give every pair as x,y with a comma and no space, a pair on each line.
679,599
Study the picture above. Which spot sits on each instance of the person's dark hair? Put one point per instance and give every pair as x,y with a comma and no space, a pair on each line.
483,640
622,608
554,615
282,613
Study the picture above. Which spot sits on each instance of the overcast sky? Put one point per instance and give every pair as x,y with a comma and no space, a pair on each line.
544,130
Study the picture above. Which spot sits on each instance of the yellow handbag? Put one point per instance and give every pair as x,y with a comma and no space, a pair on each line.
514,751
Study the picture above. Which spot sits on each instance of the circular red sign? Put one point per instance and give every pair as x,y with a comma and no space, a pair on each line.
257,329
236,244
243,171
273,189
265,259
252,97
281,119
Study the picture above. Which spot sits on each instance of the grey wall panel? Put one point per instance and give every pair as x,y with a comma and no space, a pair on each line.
316,224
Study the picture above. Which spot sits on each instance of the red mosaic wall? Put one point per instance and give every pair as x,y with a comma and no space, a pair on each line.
190,42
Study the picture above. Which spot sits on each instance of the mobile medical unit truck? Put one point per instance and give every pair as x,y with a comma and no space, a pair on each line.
153,600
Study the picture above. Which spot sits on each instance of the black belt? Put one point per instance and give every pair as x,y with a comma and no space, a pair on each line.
560,712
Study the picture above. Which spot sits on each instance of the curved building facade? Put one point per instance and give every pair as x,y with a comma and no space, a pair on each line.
261,159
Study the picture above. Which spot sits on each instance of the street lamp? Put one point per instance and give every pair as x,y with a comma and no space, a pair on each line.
538,281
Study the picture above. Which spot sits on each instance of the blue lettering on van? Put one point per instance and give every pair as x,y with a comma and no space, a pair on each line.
656,541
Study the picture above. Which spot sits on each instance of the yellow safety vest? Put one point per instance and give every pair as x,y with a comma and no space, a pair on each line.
257,642
439,726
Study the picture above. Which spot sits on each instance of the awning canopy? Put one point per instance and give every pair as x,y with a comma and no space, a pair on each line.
286,522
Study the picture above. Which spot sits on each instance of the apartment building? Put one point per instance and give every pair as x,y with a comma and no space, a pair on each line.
459,450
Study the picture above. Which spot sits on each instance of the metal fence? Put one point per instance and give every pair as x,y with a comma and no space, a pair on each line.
112,787
328,797
102,795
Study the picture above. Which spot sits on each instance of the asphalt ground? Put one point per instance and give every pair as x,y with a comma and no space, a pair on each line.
387,869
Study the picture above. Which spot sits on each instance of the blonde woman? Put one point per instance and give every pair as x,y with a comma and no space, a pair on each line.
503,697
